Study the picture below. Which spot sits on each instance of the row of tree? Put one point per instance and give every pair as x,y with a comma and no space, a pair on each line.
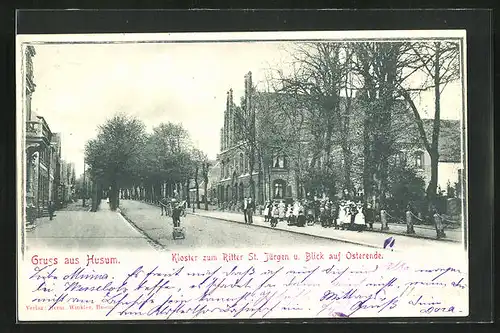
312,103
124,155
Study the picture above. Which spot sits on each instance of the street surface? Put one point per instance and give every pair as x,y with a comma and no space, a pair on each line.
206,232
143,228
76,229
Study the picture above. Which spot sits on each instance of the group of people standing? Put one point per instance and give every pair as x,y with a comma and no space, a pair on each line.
345,214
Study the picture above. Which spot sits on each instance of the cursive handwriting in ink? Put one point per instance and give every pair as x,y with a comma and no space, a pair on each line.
255,290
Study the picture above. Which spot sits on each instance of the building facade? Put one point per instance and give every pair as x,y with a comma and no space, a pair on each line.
42,150
236,175
276,179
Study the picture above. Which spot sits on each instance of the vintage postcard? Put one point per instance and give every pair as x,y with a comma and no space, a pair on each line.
276,175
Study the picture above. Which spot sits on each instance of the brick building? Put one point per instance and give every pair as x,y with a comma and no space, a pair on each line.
277,180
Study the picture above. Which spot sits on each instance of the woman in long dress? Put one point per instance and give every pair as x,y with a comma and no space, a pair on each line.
296,210
289,214
266,211
359,219
342,215
282,210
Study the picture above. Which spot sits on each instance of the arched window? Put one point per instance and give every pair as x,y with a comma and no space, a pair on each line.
241,191
402,158
279,162
419,160
279,186
242,163
227,195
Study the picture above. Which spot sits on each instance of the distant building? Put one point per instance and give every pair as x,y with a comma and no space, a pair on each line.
67,182
213,177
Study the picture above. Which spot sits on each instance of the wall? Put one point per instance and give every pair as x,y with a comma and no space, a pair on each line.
448,171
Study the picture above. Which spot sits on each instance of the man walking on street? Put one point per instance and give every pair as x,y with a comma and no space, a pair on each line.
250,208
51,210
245,207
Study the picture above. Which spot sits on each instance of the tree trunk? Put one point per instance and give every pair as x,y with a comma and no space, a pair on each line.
205,186
251,168
114,195
367,164
259,182
197,187
270,189
434,153
347,155
187,196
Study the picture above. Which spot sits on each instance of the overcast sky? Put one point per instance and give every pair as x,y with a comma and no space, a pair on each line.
79,86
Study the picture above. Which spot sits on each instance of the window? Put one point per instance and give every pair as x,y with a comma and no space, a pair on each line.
419,160
279,162
279,189
401,158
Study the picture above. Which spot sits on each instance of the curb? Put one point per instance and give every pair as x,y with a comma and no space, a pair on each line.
325,237
296,232
419,237
156,245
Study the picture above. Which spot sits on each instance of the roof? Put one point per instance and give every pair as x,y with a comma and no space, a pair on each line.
449,139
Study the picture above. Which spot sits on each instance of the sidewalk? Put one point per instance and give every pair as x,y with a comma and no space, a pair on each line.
80,229
373,238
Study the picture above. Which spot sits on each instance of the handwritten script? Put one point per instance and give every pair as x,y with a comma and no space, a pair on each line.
247,288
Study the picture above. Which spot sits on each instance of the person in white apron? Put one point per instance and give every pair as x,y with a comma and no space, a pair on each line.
359,219
289,214
282,210
296,210
275,215
342,217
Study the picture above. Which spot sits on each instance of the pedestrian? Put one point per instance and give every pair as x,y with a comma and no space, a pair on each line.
176,213
268,211
51,209
163,205
359,218
289,214
296,210
352,214
282,210
245,209
369,216
334,214
250,209
275,215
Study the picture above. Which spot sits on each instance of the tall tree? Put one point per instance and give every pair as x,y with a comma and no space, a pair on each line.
113,153
380,67
318,75
440,62
198,160
205,168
